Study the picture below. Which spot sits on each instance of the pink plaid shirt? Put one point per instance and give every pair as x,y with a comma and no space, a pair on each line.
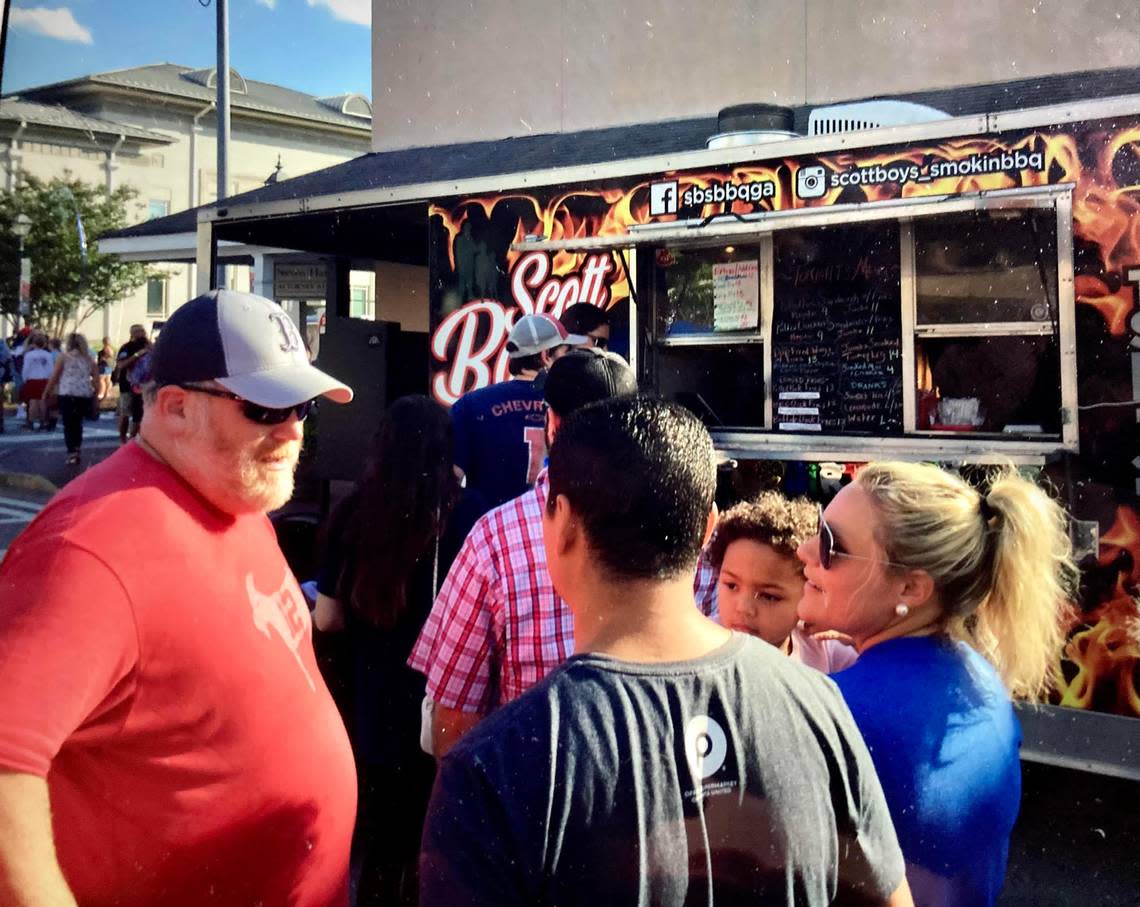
497,627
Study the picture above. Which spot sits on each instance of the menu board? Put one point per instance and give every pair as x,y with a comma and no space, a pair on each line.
736,295
836,335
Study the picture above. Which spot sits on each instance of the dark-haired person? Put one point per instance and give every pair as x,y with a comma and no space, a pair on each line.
377,583
499,443
588,321
165,734
670,761
955,600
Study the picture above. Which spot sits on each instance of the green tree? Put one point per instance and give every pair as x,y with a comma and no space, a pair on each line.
68,283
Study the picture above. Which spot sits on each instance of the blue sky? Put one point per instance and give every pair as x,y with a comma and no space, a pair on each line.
322,47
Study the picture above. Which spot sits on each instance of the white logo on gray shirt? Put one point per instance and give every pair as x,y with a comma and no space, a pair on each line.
705,745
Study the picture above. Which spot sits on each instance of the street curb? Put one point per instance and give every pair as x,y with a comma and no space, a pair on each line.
26,482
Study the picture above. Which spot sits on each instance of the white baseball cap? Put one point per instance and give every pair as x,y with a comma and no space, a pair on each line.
536,333
245,343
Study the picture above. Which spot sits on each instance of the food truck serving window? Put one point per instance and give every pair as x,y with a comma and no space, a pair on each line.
945,326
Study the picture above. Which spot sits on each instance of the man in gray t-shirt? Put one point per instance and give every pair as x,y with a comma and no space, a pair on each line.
670,761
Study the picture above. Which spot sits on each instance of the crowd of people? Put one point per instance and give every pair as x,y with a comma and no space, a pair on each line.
67,380
575,682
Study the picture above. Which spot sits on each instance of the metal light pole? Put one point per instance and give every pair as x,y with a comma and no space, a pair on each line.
223,84
22,227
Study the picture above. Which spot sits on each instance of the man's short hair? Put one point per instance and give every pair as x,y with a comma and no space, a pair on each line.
583,317
585,376
640,474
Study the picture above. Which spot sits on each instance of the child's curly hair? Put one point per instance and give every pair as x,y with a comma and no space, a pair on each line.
770,519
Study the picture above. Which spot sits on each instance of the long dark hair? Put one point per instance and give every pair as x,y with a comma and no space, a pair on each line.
396,513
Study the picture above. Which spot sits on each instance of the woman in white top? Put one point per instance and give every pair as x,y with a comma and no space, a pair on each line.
74,378
36,370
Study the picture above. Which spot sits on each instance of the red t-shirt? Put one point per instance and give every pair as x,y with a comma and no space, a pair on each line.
157,667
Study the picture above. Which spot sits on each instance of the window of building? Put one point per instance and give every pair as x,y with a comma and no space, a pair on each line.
156,296
157,208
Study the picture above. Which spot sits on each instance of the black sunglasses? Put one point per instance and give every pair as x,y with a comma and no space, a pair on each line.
599,342
829,547
255,412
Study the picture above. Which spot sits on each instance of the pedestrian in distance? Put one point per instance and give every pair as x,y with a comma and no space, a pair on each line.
37,368
73,380
955,599
670,761
7,373
130,407
166,737
106,358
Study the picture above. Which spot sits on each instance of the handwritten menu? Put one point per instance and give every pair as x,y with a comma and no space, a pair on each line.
736,295
837,337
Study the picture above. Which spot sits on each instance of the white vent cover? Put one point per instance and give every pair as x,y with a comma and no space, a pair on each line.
869,115
354,105
208,78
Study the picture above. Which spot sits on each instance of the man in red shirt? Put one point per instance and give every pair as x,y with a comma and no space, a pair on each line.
165,735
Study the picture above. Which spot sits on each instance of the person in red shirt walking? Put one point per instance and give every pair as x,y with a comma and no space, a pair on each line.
165,735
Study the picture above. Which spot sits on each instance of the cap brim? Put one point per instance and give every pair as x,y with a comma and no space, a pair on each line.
278,388
576,340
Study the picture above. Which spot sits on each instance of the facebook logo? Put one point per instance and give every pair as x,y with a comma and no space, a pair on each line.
662,198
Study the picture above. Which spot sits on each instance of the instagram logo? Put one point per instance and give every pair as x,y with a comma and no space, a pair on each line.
811,182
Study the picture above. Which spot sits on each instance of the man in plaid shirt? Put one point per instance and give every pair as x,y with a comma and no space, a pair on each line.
497,627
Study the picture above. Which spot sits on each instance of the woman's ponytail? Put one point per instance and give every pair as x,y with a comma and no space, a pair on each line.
1020,624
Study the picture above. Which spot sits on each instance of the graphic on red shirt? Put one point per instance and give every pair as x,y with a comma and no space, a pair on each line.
285,614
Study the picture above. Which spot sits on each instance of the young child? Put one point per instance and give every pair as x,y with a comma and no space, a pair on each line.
760,580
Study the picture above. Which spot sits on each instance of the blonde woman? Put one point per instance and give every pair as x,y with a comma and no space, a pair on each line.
106,360
74,379
955,602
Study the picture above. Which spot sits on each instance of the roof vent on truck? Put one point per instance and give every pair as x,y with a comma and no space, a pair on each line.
752,124
870,115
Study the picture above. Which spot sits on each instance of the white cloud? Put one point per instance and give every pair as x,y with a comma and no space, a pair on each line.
272,4
53,23
359,12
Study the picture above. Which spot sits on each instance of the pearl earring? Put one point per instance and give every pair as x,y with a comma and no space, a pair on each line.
902,610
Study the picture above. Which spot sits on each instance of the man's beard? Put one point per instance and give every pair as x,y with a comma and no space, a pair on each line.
262,487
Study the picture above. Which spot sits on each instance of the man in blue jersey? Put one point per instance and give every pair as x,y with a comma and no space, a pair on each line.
499,440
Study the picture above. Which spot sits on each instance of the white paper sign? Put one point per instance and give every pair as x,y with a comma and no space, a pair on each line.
736,295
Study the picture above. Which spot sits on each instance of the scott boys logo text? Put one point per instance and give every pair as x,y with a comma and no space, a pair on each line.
811,181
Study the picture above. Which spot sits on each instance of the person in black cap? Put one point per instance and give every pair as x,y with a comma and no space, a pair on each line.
173,705
497,626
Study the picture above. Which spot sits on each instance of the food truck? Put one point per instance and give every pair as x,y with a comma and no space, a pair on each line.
960,291
863,281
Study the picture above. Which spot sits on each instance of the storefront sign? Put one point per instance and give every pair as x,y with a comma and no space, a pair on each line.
299,281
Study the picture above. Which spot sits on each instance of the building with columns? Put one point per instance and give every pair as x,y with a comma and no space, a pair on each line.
154,128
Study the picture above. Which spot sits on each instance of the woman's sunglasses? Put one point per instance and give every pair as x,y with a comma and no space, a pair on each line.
829,547
255,412
599,342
